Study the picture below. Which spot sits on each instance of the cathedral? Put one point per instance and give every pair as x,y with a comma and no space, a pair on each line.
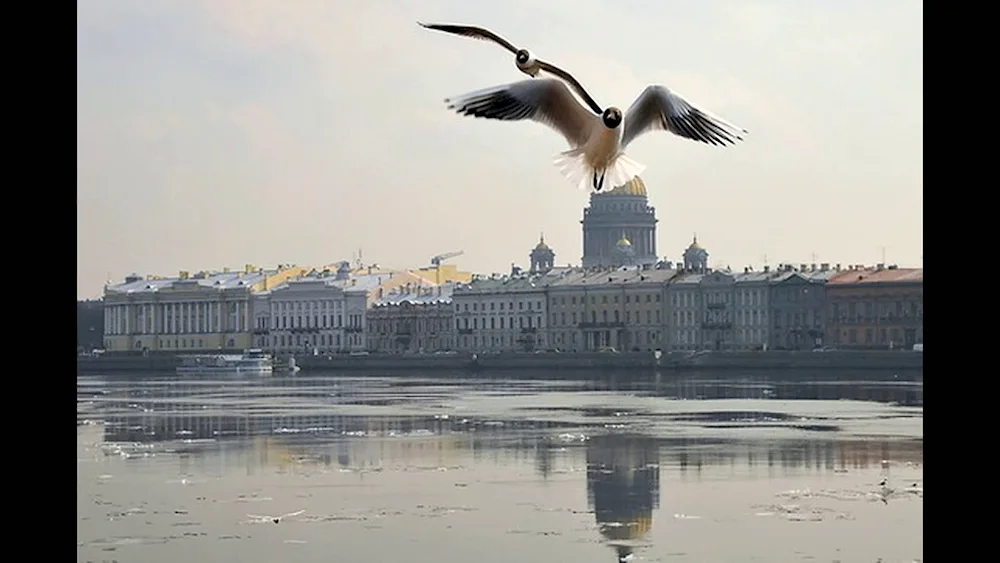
619,228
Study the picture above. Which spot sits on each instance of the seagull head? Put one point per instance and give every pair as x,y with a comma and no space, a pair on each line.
526,62
612,117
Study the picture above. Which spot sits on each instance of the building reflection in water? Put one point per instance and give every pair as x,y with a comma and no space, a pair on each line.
623,488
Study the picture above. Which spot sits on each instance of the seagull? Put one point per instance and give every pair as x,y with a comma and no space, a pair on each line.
597,141
275,519
524,59
884,491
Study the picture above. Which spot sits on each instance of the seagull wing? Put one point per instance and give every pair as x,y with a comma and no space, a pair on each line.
473,32
556,71
259,517
659,108
290,514
547,101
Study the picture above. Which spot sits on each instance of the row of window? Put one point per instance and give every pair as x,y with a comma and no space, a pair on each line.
494,306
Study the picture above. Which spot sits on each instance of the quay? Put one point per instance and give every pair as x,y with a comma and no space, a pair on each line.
843,360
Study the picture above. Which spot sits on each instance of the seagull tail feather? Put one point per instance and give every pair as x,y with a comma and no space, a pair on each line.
573,166
622,170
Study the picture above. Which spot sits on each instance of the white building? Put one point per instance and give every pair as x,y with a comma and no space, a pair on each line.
503,313
322,312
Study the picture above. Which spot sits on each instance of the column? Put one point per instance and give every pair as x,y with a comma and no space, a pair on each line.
221,321
246,315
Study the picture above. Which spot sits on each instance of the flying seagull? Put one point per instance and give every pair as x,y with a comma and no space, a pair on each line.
523,58
597,143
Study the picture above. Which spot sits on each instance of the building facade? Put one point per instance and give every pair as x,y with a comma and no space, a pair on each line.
620,214
207,311
621,309
502,313
413,320
876,308
798,306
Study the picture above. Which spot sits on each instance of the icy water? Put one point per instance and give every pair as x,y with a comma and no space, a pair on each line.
448,470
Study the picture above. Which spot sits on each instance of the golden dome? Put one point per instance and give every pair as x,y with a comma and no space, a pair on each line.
695,245
624,241
635,186
541,244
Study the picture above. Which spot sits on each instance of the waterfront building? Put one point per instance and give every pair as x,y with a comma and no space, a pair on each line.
312,314
206,311
412,318
798,306
751,302
619,228
502,313
597,309
323,312
876,308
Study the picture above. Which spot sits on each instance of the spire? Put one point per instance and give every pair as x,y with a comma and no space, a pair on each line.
541,237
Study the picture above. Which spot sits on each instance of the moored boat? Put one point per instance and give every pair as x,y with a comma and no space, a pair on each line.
251,362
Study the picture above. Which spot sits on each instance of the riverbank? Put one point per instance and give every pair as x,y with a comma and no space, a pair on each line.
886,360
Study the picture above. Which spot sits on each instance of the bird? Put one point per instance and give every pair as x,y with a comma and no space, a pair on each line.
524,59
884,490
275,519
597,142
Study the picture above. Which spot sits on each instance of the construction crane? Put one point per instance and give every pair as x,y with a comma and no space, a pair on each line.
436,261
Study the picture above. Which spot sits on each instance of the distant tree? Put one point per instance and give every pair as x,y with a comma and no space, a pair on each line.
89,324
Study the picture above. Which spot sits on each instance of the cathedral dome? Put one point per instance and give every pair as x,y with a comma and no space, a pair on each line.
623,242
635,187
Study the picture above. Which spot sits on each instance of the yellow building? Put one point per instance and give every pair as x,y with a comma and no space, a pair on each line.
206,311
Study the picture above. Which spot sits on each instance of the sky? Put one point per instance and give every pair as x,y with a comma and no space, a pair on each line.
231,132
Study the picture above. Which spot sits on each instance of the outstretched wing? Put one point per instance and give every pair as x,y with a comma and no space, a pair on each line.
473,32
556,71
545,100
290,514
659,109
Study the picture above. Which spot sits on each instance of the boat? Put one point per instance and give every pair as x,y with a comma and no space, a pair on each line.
251,362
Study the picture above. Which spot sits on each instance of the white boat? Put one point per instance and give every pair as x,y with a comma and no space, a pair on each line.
251,362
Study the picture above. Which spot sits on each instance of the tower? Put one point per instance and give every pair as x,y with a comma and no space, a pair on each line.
696,257
619,214
542,257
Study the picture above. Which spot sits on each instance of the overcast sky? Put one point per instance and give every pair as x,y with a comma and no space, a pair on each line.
217,133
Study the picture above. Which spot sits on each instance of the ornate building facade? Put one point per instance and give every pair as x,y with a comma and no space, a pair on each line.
619,228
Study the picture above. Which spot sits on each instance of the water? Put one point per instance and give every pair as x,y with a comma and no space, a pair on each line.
455,469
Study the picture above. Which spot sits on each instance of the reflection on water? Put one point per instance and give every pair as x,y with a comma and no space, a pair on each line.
501,438
623,488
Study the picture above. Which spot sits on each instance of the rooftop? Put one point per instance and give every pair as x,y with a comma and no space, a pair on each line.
879,275
420,295
218,280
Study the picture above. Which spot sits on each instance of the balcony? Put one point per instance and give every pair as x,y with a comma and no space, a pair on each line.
609,324
717,325
304,330
465,331
353,329
529,330
262,331
716,306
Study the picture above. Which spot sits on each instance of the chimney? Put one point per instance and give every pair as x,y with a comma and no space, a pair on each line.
803,267
824,267
837,267
247,268
880,266
812,267
767,269
380,293
183,275
225,270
